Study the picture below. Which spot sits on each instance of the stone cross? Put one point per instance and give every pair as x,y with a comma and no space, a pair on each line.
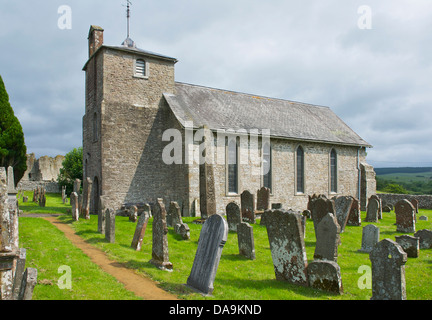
141,228
388,271
372,210
327,238
110,225
343,208
287,246
213,237
247,206
246,240
263,199
325,275
87,190
354,217
160,257
74,203
233,216
370,237
405,216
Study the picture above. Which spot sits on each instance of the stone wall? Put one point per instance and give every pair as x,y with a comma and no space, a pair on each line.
425,201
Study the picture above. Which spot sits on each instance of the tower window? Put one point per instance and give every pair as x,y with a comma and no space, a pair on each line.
300,170
140,68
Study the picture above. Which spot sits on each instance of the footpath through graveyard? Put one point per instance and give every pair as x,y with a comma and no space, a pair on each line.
141,286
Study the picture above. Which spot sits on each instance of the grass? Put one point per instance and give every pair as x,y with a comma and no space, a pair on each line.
238,278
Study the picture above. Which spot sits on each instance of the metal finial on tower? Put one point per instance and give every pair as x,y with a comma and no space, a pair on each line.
128,42
128,16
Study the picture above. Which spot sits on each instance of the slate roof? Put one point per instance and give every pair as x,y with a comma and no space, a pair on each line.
220,109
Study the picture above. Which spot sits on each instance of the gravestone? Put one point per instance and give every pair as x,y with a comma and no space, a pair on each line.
233,216
372,210
327,238
325,275
380,207
425,237
141,228
206,178
319,206
160,257
370,237
342,208
213,237
133,213
25,199
101,214
86,196
74,203
405,216
263,199
110,225
247,206
183,230
77,186
424,218
174,214
415,204
388,271
195,210
245,240
28,283
277,205
354,217
409,244
284,231
19,273
10,180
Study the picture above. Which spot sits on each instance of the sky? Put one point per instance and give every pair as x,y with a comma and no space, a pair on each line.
369,61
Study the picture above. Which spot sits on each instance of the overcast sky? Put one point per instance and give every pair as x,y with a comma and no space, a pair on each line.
375,74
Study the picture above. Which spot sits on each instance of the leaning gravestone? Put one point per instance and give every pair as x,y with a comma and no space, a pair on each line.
141,228
354,217
388,271
233,216
28,283
110,225
327,239
247,205
372,210
246,240
405,216
133,213
74,202
370,237
319,206
213,237
263,199
160,257
325,275
287,246
425,237
409,244
343,207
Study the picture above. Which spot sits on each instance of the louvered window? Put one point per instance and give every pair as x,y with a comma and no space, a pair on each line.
140,68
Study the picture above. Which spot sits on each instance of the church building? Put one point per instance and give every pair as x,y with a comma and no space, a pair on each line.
142,132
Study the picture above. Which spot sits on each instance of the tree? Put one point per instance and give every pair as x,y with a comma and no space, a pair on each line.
13,151
72,169
395,188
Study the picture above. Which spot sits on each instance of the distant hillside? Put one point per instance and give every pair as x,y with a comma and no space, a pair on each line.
381,171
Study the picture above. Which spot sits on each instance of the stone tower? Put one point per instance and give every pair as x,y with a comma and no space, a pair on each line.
125,116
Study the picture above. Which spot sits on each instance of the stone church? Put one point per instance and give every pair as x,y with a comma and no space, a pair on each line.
141,138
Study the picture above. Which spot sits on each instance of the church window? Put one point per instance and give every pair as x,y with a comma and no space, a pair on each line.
300,181
267,166
232,166
333,171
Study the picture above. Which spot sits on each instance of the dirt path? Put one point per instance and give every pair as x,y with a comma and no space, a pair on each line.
139,285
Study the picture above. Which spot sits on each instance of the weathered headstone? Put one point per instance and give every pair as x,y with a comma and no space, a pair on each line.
354,217
380,207
133,213
325,275
174,214
160,257
263,199
233,216
87,190
415,204
206,178
77,186
319,206
195,210
372,210
246,240
25,199
183,230
10,180
423,218
213,237
370,237
287,246
388,271
19,273
405,216
101,214
141,228
28,283
247,206
74,203
277,205
342,208
110,225
425,237
410,244
5,236
327,238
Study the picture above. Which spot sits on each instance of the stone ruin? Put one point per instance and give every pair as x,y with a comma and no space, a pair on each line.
16,282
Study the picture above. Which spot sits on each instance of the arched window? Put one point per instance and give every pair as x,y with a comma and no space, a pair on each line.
140,68
267,166
300,181
232,167
333,171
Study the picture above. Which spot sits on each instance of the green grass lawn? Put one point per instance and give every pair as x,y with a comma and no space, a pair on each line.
238,278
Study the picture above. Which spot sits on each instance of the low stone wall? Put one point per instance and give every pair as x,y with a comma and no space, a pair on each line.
50,186
425,201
